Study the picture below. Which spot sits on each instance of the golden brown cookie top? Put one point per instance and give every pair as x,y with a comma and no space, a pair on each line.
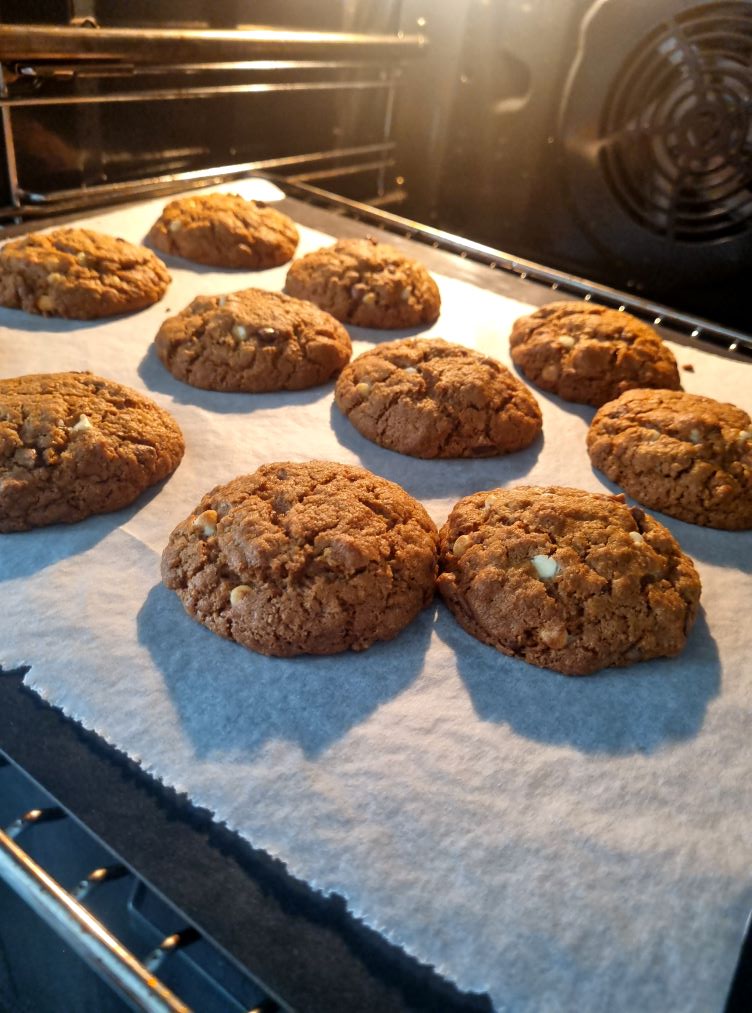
80,274
312,557
225,230
360,281
566,579
590,354
684,454
429,398
252,341
75,444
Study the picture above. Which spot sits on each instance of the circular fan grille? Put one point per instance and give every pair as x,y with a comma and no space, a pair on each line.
676,134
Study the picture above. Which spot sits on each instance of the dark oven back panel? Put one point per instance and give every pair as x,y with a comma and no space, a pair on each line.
607,138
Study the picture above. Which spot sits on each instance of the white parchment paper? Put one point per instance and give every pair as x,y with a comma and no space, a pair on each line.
560,843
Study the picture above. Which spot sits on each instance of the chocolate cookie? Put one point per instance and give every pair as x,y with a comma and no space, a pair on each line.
225,230
310,558
428,398
589,354
360,281
252,341
686,455
566,579
73,444
79,274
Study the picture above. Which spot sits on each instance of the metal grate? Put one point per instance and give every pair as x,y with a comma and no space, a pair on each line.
146,950
676,135
565,285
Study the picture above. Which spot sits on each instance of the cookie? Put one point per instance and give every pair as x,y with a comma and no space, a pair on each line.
566,579
683,454
74,444
252,341
428,398
79,274
589,354
224,230
360,281
311,558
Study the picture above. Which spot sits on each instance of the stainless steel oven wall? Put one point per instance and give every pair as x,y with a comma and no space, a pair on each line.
314,110
607,138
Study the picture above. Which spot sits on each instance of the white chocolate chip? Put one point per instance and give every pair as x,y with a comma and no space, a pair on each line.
405,294
207,522
45,304
550,372
567,341
238,593
461,545
636,537
240,332
554,635
745,436
490,502
369,299
84,423
694,436
81,257
545,566
175,225
55,278
25,457
364,389
652,435
410,369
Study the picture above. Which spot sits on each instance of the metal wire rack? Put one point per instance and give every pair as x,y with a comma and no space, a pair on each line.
150,954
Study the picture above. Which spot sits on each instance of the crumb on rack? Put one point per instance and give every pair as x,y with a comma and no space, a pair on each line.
688,367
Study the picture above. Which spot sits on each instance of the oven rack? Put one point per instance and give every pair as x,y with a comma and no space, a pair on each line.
694,329
88,66
107,914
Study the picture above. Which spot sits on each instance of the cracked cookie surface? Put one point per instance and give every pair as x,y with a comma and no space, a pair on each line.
225,230
75,444
360,281
429,398
566,579
252,341
589,354
79,274
304,558
686,455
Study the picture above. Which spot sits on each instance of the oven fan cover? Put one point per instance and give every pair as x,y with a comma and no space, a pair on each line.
655,135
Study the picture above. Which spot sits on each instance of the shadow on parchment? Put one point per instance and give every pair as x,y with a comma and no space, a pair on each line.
157,377
24,553
618,711
231,701
436,478
375,336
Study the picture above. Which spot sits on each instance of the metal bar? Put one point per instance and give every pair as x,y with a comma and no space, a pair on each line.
697,327
149,45
387,132
45,71
11,166
198,177
103,874
91,940
346,170
32,818
170,94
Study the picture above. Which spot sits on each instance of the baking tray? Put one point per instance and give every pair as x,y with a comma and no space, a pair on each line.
511,279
